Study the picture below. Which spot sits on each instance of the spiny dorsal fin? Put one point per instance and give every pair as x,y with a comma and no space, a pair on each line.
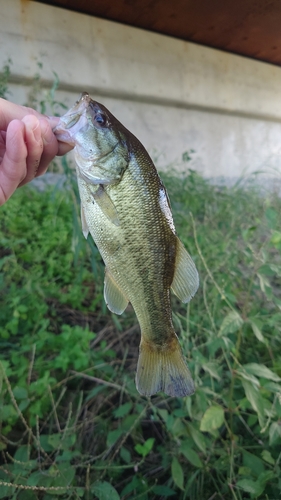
115,299
186,279
106,205
85,229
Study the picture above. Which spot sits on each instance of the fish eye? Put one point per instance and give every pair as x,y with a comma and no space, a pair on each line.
101,119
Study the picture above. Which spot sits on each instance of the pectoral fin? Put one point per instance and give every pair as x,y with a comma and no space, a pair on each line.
113,295
106,205
85,229
186,279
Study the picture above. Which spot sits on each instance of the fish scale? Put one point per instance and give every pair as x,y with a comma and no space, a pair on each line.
126,209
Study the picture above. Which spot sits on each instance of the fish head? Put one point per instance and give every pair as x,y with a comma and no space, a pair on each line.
99,140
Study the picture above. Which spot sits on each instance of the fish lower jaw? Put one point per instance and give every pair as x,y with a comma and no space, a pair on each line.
63,135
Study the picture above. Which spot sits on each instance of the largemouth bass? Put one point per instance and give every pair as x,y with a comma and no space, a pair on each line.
125,207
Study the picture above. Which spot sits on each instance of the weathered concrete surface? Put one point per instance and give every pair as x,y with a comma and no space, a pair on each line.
173,95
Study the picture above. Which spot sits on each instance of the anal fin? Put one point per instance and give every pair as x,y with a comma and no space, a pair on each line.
114,297
163,369
186,279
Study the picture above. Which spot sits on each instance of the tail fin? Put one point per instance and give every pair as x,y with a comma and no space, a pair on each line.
163,368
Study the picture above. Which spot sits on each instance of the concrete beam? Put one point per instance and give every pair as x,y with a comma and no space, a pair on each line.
173,95
120,61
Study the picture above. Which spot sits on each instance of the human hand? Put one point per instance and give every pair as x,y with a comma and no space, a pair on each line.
27,146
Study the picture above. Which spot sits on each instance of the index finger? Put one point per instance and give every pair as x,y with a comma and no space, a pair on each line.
13,165
10,111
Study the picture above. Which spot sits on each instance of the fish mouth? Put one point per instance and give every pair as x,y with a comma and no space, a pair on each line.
68,126
73,120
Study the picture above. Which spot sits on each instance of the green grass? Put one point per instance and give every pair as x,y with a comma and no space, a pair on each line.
72,424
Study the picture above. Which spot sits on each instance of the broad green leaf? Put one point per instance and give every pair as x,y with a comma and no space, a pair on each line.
273,387
68,441
254,463
212,368
271,217
231,323
123,410
128,421
180,412
64,474
135,484
244,471
79,492
104,491
93,393
23,404
257,331
38,478
276,238
113,436
190,455
278,404
268,457
264,283
22,453
163,413
178,428
212,419
250,486
145,449
274,432
265,477
254,398
198,437
6,412
6,492
163,491
54,440
44,442
27,495
125,455
247,376
261,371
20,393
177,473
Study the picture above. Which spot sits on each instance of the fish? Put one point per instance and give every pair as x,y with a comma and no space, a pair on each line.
126,209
